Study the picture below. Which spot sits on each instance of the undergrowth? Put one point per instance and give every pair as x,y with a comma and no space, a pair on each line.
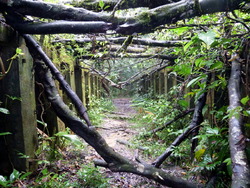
61,159
211,155
97,109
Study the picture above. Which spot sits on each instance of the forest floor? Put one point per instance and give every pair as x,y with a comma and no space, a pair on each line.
74,167
118,131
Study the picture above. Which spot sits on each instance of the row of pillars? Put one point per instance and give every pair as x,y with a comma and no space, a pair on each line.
158,83
20,94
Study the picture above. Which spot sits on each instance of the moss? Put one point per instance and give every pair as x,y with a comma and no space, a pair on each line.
145,18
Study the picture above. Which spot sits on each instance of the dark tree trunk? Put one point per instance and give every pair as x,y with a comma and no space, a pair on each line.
237,139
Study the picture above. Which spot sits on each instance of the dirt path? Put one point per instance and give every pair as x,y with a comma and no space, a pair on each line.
116,128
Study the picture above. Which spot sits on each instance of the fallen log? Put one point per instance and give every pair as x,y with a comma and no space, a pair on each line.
73,27
237,139
120,40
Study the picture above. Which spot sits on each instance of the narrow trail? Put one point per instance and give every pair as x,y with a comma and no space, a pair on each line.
117,131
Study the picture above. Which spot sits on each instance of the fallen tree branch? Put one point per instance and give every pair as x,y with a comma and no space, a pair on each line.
137,76
112,160
165,14
114,55
37,51
237,139
74,27
181,115
112,84
196,121
120,40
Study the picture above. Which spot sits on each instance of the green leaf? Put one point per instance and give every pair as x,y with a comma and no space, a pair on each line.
246,112
41,122
244,100
25,175
195,80
14,175
187,45
101,4
183,103
5,133
208,37
199,61
213,131
228,161
2,179
199,154
217,65
73,138
4,111
180,30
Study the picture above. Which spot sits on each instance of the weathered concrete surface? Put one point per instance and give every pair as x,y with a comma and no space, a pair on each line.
18,96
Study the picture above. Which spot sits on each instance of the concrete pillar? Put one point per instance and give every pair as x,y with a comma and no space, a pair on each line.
18,96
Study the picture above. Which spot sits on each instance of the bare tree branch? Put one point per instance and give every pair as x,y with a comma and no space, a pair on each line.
114,55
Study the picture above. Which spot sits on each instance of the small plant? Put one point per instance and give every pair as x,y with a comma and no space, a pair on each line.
97,107
89,176
13,178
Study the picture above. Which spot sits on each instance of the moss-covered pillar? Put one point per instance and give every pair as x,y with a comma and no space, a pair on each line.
165,81
80,83
87,87
99,87
18,96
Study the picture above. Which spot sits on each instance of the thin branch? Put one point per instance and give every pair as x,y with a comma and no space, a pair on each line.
115,9
113,84
181,115
238,21
155,67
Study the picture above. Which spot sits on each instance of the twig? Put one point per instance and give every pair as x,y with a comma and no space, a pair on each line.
115,8
175,119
